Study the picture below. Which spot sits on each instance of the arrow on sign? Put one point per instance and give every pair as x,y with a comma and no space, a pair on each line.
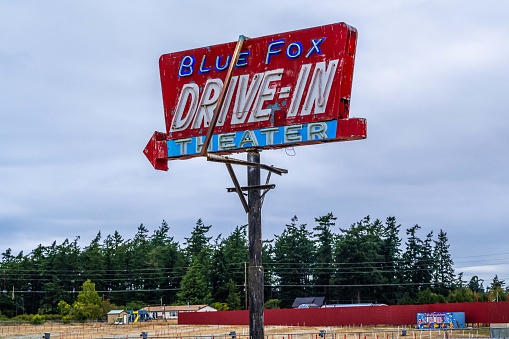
156,151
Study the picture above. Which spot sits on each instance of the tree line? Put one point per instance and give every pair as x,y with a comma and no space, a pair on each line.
367,262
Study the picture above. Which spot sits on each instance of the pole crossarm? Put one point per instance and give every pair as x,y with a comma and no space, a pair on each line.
237,188
247,188
227,160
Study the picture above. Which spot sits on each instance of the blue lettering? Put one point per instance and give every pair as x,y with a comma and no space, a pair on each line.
263,137
271,51
294,50
186,66
316,47
204,69
242,61
218,63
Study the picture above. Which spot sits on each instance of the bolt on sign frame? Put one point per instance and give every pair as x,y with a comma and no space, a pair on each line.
277,91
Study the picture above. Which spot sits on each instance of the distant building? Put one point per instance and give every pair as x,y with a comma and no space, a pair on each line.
117,317
172,312
308,302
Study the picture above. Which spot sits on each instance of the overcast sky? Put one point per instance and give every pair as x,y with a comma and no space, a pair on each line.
80,97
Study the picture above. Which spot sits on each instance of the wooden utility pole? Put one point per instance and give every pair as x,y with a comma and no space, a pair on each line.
256,321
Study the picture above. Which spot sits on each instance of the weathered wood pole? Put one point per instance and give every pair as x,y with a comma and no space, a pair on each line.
255,288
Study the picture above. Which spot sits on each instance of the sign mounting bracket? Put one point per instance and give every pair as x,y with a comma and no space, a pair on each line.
240,189
222,94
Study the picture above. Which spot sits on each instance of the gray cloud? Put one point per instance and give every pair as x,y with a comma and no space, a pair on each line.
80,97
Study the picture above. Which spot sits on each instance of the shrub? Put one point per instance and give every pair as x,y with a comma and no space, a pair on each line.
66,319
38,319
272,303
220,306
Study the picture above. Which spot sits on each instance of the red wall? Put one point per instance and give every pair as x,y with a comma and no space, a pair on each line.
476,312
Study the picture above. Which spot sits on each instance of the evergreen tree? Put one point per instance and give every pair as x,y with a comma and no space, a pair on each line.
136,260
496,291
459,283
443,277
233,298
92,262
165,263
114,267
475,284
391,262
412,260
324,244
270,279
293,255
198,241
228,260
195,287
358,260
426,262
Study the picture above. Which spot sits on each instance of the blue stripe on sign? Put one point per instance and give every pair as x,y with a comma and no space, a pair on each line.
264,137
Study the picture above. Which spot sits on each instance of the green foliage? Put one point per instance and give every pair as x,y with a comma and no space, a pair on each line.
194,287
462,294
88,294
358,252
66,319
83,312
233,299
64,308
6,305
293,266
475,284
443,279
227,267
135,305
220,306
272,303
361,263
405,299
88,306
38,319
428,297
324,248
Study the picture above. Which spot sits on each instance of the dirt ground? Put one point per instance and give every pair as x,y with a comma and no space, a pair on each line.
169,329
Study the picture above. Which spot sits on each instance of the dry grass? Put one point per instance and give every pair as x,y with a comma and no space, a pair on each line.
169,329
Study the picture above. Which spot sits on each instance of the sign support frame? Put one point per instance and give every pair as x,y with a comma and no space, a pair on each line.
220,100
253,207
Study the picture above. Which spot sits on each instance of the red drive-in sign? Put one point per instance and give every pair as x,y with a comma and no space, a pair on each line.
286,89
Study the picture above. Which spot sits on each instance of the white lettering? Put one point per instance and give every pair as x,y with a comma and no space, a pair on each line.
269,135
319,89
266,93
183,144
253,99
227,101
248,138
317,131
299,90
292,133
208,102
182,118
199,145
245,97
226,141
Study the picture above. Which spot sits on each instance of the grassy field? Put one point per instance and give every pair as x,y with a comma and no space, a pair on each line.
169,329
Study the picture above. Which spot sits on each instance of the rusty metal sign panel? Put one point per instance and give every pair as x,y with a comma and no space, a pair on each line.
286,89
